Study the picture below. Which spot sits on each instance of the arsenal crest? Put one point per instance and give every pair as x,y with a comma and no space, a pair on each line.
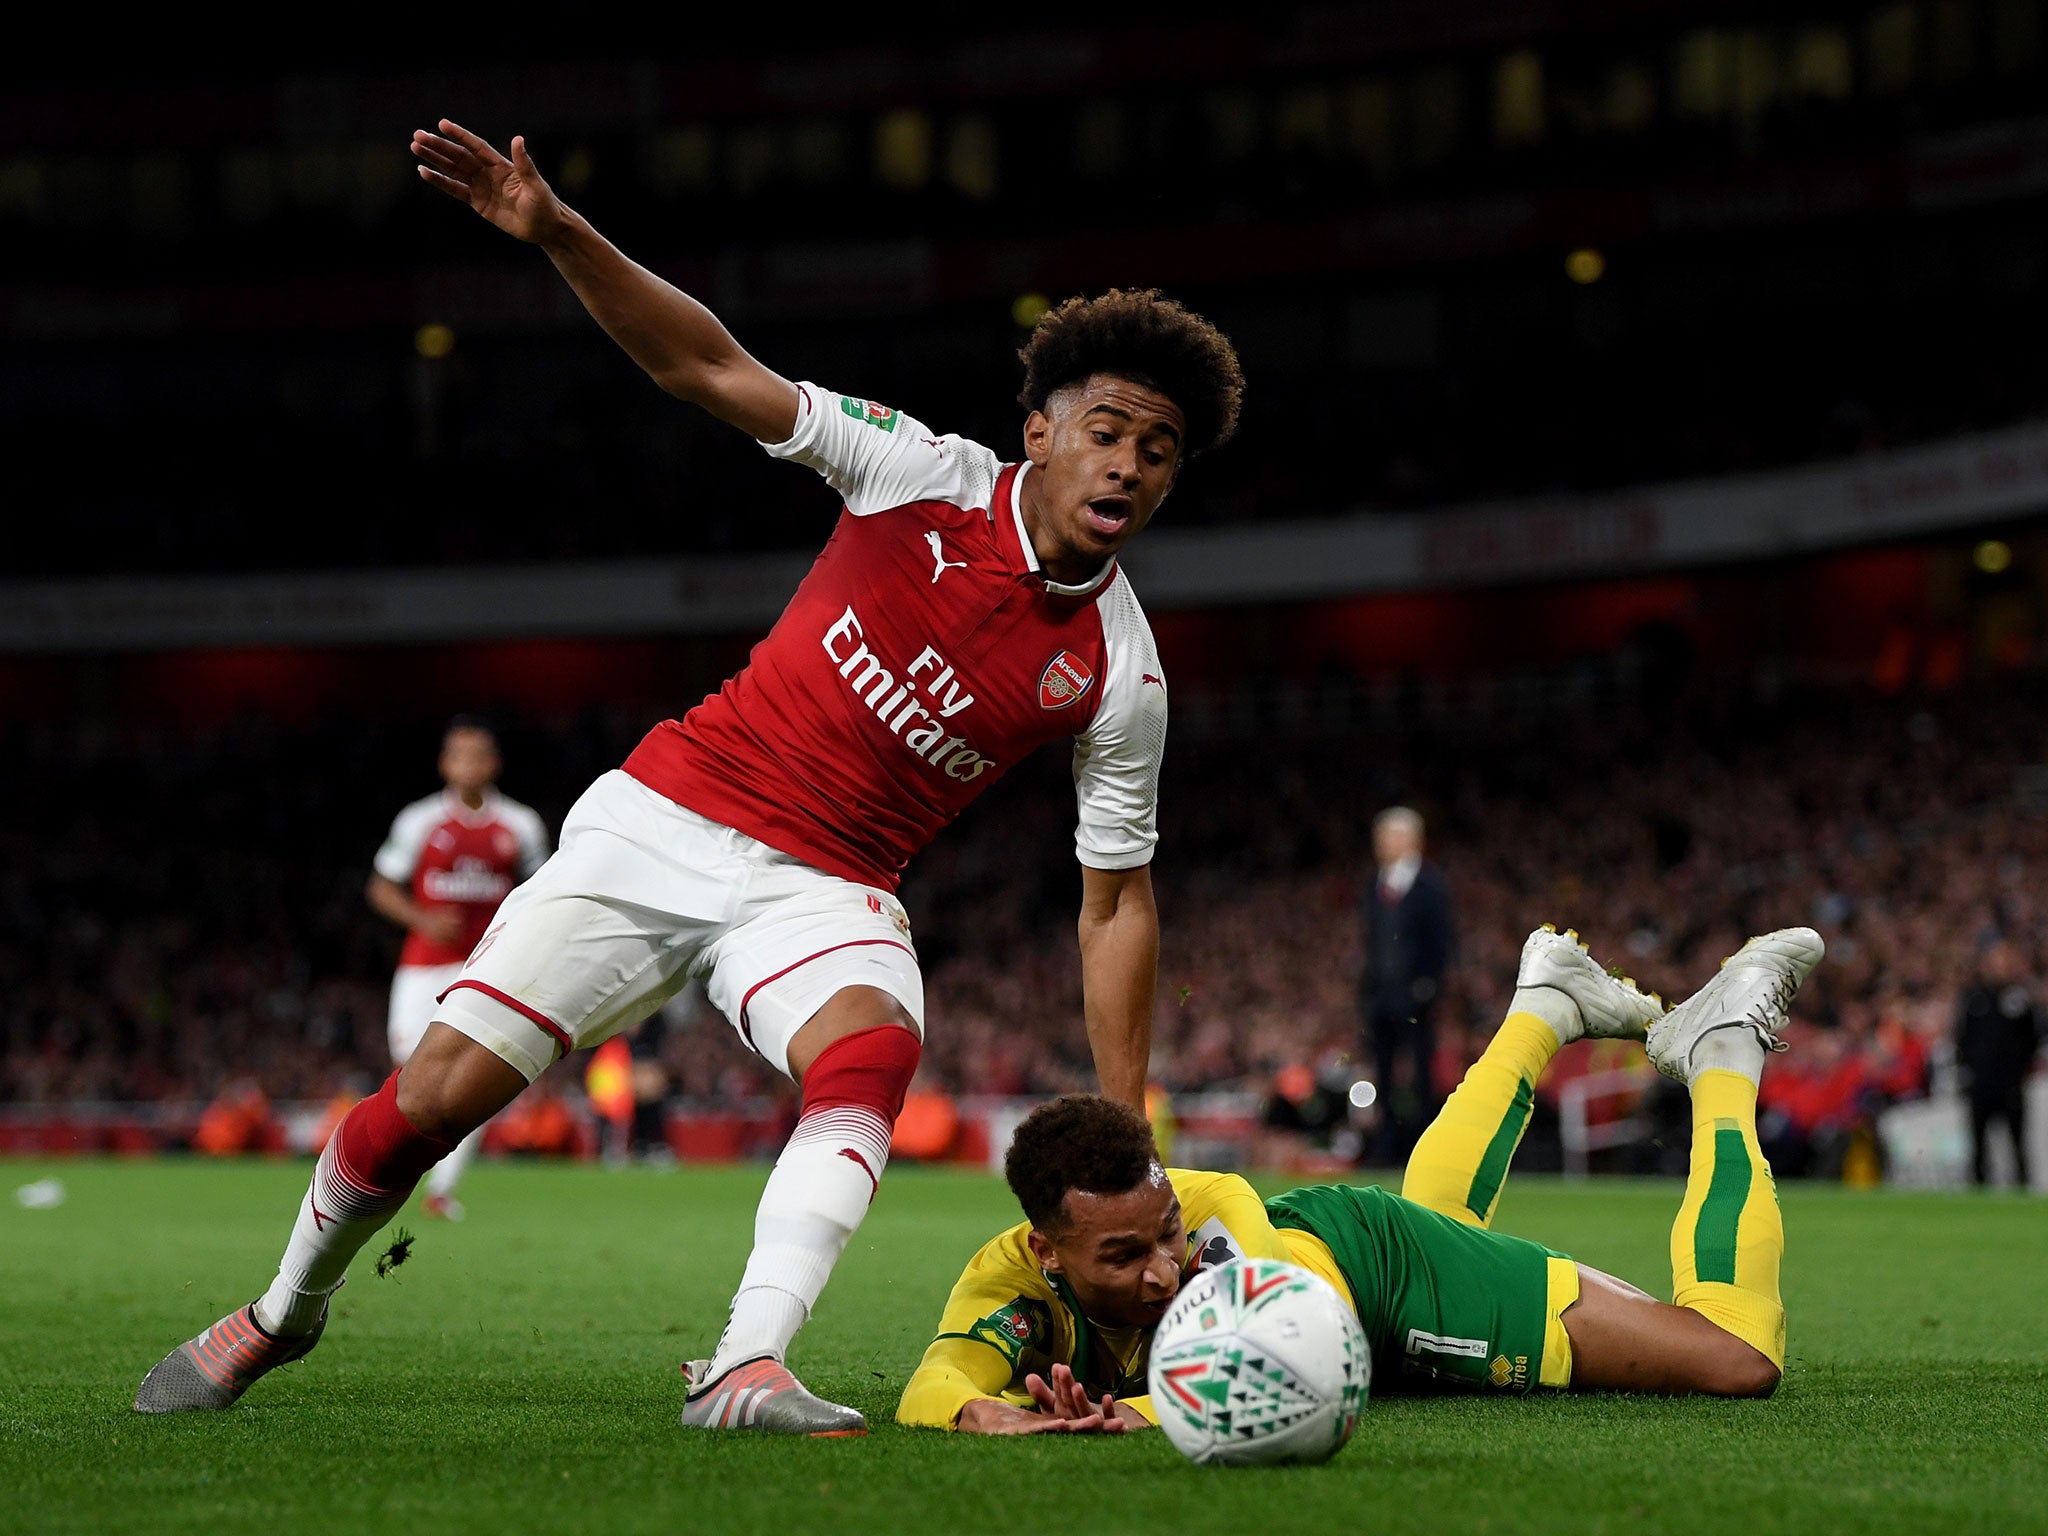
1065,679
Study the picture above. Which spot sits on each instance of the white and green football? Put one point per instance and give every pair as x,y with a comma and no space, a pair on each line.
1258,1361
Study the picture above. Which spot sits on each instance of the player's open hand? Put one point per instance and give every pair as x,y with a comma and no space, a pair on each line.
1065,1401
510,193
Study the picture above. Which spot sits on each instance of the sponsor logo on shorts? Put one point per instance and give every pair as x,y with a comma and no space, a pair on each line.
1065,678
882,907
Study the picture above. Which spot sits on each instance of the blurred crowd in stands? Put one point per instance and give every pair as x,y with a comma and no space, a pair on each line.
1471,250
181,918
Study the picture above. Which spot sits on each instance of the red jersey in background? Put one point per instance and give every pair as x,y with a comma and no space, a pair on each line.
447,855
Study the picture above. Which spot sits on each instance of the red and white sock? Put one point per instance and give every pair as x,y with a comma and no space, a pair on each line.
369,1167
820,1190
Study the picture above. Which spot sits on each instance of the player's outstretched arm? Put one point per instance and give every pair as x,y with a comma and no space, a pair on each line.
1119,931
678,341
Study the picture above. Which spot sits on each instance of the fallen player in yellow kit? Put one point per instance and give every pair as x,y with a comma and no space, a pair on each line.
1049,1327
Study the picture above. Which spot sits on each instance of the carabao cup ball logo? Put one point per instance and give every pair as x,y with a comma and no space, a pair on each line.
1258,1361
1065,678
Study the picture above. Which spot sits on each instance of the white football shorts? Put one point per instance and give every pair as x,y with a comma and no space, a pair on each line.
642,895
414,991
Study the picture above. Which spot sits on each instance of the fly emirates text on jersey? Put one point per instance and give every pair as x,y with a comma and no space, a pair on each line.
896,703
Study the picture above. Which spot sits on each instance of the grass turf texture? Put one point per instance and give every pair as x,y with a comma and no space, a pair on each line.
519,1374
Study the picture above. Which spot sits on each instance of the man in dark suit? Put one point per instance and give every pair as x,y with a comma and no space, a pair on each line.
1998,1029
1407,912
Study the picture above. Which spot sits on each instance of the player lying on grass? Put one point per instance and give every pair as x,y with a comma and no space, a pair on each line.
965,612
1048,1328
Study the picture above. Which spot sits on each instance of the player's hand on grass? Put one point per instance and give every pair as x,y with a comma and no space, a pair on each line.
1066,1400
510,193
1063,1409
989,1416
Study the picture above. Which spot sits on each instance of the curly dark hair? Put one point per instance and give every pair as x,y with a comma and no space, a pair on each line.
1079,1141
1141,335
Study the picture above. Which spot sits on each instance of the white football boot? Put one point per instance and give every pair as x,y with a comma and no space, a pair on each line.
1732,1022
1597,1003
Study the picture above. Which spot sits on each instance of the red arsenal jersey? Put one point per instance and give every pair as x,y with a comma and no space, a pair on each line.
447,855
921,658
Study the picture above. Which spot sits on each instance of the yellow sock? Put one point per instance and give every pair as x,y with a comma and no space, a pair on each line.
1461,1162
1729,1238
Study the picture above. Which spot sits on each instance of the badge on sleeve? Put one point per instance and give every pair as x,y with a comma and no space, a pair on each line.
869,411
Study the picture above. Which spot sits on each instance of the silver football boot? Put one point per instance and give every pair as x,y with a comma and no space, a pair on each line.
762,1394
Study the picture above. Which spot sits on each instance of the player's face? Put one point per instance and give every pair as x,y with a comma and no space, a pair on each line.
1122,1253
1108,450
469,761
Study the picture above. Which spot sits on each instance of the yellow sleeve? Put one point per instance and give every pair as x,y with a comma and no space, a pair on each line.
1000,1310
1225,1219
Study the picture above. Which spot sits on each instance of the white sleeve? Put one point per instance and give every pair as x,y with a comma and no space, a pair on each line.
532,833
1116,760
407,840
878,458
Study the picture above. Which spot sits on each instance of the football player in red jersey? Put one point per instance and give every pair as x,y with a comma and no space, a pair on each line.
965,612
446,864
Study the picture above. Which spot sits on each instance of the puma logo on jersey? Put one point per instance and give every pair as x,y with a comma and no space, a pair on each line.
940,564
1150,677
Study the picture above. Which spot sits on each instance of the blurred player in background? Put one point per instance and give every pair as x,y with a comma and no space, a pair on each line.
1050,1328
965,612
448,862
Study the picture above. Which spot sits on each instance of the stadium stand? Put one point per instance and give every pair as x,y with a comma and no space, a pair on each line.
1806,222
1499,272
185,913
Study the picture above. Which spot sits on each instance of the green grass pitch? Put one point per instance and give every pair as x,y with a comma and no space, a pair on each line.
519,1374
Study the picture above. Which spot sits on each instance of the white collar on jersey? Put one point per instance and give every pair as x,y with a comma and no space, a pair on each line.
1060,589
463,813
